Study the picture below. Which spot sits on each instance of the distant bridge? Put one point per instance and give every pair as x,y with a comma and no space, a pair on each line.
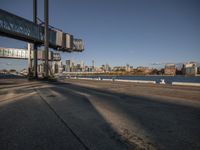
22,29
15,53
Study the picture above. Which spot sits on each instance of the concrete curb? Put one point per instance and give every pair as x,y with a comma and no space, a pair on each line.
186,83
119,80
137,81
141,81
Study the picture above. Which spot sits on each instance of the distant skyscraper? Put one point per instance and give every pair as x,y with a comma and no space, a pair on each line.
93,65
82,66
69,65
128,67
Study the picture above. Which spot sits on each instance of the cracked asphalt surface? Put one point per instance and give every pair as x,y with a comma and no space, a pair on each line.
77,114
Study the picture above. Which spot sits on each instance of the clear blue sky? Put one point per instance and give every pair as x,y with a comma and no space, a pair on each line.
137,32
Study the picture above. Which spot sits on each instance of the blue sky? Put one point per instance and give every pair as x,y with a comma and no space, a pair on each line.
117,32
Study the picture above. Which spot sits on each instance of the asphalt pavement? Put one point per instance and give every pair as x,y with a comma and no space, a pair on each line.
97,115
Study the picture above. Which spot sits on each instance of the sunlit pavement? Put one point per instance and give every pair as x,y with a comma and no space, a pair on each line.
74,115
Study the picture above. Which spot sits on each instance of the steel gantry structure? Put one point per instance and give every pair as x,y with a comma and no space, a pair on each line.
16,53
22,29
16,27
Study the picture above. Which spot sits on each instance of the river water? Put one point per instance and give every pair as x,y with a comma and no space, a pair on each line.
168,79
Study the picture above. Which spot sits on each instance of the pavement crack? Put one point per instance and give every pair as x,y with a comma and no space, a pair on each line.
63,122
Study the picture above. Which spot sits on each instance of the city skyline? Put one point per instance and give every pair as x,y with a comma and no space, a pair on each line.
159,66
118,32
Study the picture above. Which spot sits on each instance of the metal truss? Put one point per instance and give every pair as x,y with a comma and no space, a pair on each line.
22,29
16,27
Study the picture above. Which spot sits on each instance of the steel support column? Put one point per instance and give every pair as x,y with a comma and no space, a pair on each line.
35,46
46,41
29,60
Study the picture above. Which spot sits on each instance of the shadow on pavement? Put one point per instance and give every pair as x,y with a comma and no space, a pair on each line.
101,119
28,123
167,125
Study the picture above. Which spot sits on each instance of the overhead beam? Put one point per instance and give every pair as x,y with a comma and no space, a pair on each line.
22,29
14,53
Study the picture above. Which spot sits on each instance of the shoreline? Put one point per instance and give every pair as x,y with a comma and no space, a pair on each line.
139,81
124,75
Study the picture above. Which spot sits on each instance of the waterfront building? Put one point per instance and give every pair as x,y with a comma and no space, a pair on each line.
117,68
99,70
198,70
78,68
170,69
4,71
87,69
128,68
190,69
107,68
12,71
103,68
144,70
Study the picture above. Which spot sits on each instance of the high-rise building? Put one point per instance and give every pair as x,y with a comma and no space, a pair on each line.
127,67
69,66
82,66
107,68
93,64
